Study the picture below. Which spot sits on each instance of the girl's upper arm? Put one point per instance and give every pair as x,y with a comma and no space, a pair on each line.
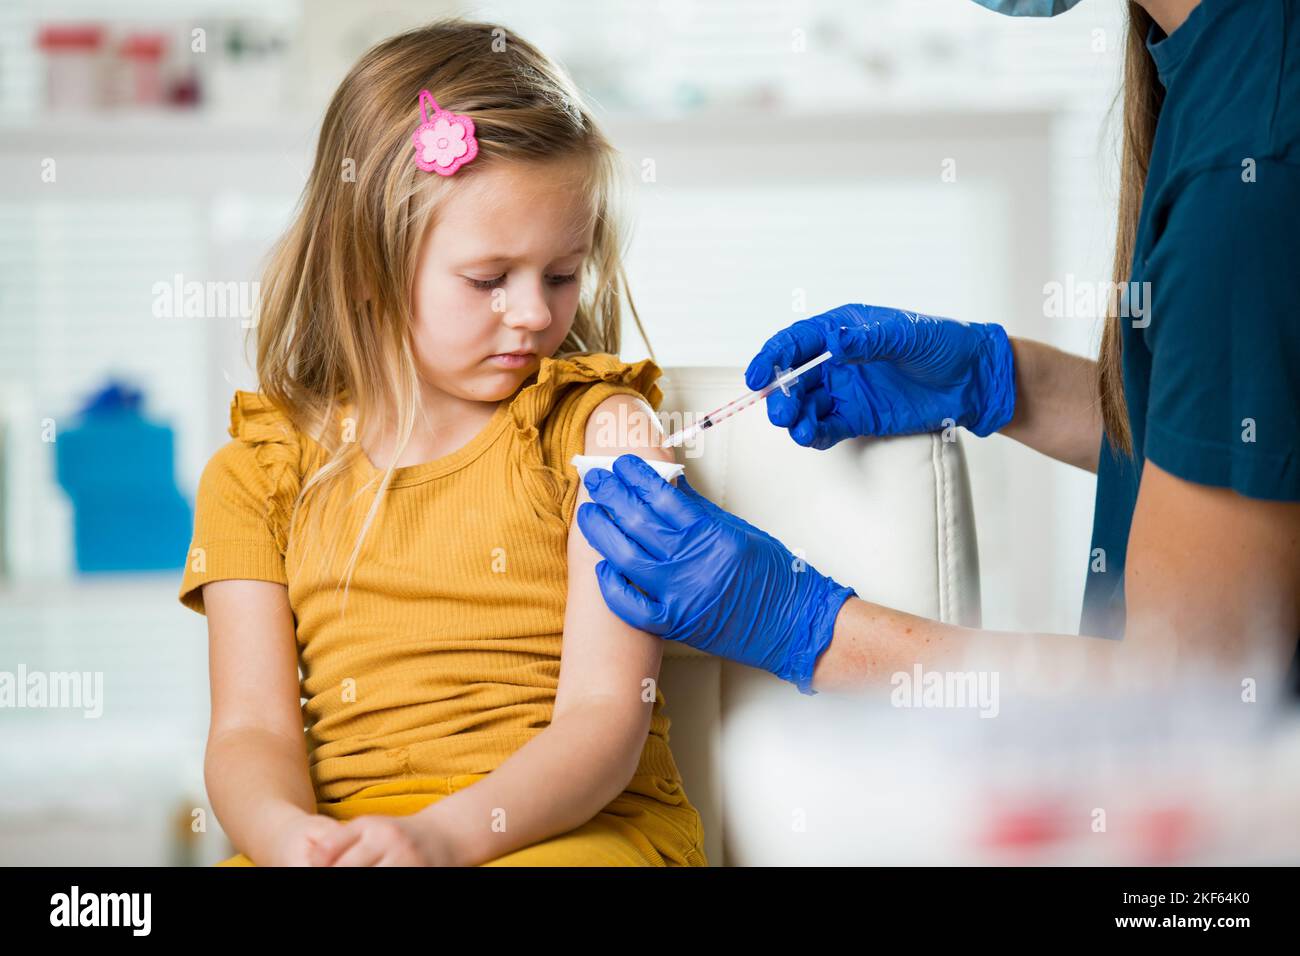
252,658
603,656
236,576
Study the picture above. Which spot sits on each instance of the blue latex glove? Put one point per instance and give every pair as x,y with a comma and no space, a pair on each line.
892,373
710,579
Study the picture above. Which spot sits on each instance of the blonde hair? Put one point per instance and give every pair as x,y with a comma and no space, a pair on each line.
334,315
1143,95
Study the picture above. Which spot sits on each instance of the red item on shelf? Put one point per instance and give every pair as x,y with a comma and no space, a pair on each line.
141,56
66,37
74,65
144,46
184,91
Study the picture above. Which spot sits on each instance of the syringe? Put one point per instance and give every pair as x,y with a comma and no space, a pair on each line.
782,380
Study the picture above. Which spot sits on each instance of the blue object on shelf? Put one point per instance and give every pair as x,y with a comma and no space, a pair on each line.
119,470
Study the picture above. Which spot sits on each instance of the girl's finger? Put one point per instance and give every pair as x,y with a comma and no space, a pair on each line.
326,849
400,856
361,853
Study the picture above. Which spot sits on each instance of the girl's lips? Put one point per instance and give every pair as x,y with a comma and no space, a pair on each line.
512,359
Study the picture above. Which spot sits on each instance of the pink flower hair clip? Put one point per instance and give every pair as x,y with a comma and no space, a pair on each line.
445,141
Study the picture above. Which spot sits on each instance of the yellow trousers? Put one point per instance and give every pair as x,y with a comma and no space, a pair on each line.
651,823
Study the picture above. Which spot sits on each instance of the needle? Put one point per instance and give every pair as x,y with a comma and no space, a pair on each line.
782,380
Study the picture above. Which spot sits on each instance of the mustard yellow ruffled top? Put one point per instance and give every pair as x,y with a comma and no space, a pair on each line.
446,658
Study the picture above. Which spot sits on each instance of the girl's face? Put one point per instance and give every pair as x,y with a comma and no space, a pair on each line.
499,273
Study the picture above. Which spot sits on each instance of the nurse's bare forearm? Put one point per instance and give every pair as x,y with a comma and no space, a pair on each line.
872,643
1057,412
257,780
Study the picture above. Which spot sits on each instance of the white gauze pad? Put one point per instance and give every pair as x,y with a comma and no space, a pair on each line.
584,463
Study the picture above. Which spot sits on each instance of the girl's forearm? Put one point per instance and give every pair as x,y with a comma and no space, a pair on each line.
557,781
1057,411
256,781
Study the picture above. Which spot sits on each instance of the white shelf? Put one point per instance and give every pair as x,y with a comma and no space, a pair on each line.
183,132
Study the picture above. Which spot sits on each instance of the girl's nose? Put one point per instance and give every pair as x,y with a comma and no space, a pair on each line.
528,310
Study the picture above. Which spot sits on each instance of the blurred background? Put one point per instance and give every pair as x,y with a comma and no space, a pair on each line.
950,161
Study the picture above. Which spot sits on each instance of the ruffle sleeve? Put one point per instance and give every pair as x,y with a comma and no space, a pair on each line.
245,501
278,452
549,418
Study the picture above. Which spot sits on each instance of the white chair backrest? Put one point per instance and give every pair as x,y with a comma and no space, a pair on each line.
891,518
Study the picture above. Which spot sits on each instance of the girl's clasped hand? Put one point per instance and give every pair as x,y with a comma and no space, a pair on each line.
370,840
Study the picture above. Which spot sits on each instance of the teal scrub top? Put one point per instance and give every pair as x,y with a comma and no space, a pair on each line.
1212,353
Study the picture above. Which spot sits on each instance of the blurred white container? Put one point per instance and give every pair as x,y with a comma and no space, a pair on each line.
74,66
140,69
38,516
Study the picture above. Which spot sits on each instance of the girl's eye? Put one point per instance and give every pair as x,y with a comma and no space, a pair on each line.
493,283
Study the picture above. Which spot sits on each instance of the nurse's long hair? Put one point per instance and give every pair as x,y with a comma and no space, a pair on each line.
335,317
1143,95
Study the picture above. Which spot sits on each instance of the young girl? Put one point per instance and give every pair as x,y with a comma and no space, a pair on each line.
394,514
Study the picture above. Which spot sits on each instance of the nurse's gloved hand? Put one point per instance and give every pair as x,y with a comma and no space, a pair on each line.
892,373
710,579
